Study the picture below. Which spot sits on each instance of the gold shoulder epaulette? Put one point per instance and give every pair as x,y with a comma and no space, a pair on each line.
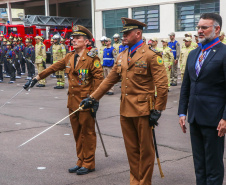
91,54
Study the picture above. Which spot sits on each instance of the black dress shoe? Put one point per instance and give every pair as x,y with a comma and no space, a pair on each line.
83,171
58,87
74,169
110,93
40,85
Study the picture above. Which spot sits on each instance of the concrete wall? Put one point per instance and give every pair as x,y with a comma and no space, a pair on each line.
167,15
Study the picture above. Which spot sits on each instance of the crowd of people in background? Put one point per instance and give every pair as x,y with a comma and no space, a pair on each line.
16,57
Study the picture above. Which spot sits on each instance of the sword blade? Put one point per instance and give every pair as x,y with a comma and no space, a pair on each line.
80,108
12,98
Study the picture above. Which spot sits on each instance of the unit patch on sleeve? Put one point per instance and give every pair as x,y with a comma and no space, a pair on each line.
97,63
159,60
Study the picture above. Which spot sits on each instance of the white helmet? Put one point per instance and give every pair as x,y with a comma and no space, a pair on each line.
56,37
103,38
116,36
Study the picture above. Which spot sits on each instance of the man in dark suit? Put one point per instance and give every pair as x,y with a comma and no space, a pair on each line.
203,95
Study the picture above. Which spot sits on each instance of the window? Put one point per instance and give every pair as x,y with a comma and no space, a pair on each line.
12,30
29,30
148,15
188,14
3,29
112,21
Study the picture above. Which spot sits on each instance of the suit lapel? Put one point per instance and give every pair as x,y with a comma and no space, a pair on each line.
138,55
212,52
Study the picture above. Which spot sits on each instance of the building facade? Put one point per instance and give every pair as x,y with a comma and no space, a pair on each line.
161,16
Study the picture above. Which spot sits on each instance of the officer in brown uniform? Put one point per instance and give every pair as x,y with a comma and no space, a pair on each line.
84,76
141,69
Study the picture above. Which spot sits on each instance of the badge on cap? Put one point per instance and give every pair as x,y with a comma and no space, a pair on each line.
123,22
74,28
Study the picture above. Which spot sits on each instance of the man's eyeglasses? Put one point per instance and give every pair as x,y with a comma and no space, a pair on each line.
203,27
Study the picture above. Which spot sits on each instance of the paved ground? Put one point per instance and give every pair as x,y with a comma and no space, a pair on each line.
32,112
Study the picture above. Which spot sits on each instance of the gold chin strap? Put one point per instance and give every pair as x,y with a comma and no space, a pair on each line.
78,33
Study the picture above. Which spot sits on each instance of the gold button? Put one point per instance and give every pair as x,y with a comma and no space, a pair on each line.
126,86
72,79
126,78
72,87
140,71
126,94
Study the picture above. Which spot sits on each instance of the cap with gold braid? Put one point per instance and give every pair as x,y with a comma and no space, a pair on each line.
15,39
131,24
8,43
11,37
81,30
4,40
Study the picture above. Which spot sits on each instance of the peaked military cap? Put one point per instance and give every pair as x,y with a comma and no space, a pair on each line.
20,38
81,30
187,39
8,43
131,24
164,40
15,39
10,37
38,37
28,40
4,40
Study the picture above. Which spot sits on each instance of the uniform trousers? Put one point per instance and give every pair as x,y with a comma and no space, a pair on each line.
1,72
6,69
182,70
17,65
140,150
12,70
60,78
173,74
168,72
41,68
30,68
83,126
107,70
22,63
208,152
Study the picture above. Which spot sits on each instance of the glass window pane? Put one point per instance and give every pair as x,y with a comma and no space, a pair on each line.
188,13
112,21
148,15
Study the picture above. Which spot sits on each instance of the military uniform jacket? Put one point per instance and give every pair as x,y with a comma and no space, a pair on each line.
116,46
29,53
184,54
83,79
145,71
167,55
58,52
21,51
40,53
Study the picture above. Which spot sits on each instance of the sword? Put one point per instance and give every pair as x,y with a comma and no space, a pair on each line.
12,98
105,151
80,108
152,106
157,154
